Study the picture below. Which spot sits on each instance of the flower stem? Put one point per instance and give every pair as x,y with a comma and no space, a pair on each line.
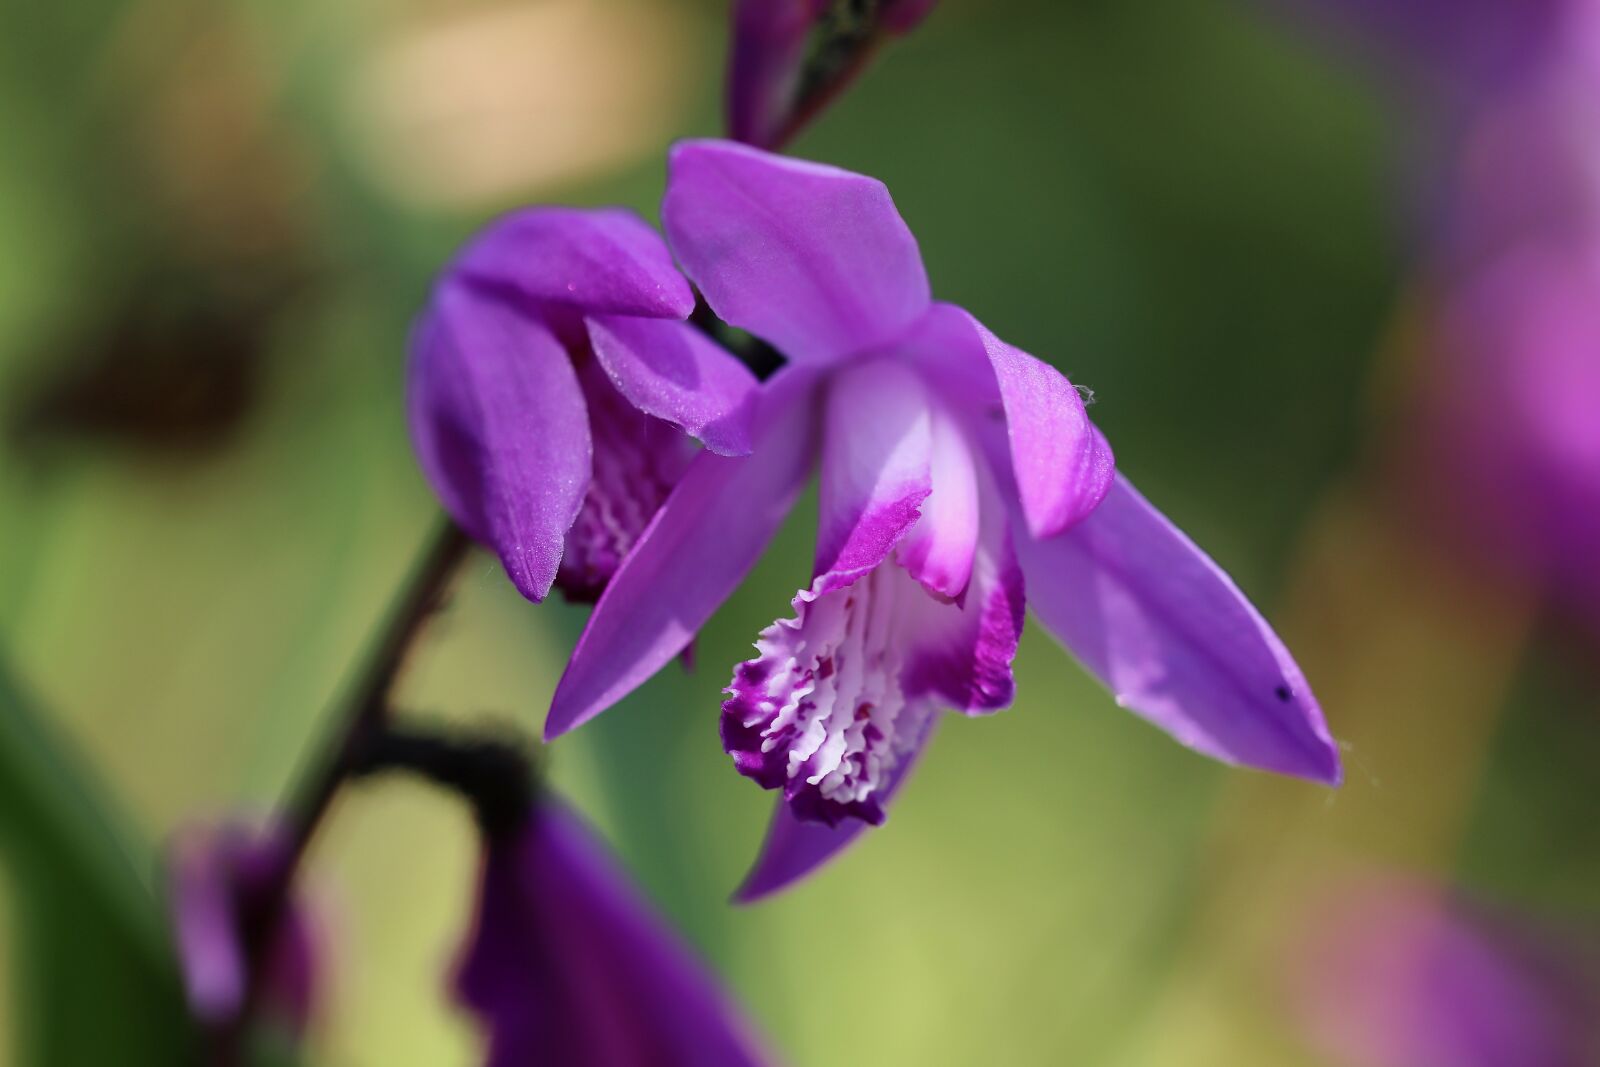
365,706
362,715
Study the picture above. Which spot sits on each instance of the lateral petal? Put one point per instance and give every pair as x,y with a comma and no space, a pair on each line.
1061,465
694,553
500,428
875,467
673,371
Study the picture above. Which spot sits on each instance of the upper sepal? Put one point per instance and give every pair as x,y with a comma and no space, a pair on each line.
814,259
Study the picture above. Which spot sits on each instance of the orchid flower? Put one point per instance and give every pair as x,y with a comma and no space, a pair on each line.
1503,437
215,874
552,382
954,469
1396,972
568,965
772,88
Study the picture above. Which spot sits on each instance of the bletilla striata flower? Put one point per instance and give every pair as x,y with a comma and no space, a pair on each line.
568,964
552,382
791,57
1506,442
1406,974
1511,415
955,471
215,876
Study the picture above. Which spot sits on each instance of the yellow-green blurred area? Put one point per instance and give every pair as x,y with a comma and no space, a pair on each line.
217,218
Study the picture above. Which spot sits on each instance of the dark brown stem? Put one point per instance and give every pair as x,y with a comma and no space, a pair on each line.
361,715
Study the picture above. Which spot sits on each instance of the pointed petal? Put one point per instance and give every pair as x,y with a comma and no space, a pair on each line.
696,550
1175,640
962,652
938,550
1061,465
500,428
811,258
605,261
569,964
793,849
875,473
673,371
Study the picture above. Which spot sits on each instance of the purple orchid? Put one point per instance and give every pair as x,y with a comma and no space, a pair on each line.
215,875
568,965
1407,974
953,468
551,375
1458,46
1504,445
769,97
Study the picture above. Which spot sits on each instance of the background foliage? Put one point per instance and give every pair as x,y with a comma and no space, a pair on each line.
216,219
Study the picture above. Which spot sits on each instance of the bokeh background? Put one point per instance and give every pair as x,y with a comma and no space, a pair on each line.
216,220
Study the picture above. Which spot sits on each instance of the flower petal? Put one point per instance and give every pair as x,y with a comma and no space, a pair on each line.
769,48
673,371
569,964
1061,465
811,258
938,550
875,474
1175,640
794,848
962,652
604,261
696,550
500,428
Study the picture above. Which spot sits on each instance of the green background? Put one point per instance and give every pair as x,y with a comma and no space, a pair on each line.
1187,205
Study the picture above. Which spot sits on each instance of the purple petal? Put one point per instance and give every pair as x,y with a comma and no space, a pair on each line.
793,849
695,552
938,550
811,258
214,873
499,425
1175,640
1396,973
963,652
1061,465
770,38
636,460
875,467
821,712
673,371
605,261
570,965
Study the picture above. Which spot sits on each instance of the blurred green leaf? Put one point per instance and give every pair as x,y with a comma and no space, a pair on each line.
96,982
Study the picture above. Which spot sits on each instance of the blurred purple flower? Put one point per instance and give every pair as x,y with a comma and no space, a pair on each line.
1507,457
953,467
1509,426
569,965
545,372
216,877
1402,974
770,96
1455,46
